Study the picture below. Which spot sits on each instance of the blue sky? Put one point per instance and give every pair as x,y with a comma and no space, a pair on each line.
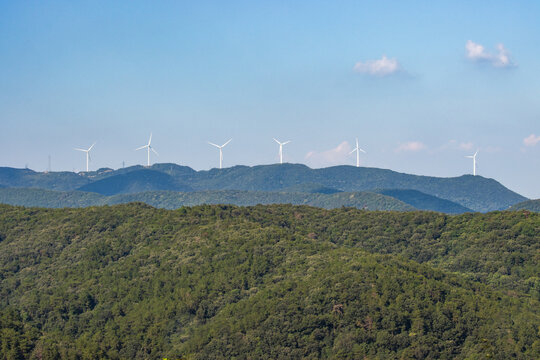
421,84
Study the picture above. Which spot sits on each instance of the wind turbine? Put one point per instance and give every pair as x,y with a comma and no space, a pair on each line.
220,151
148,148
357,149
87,151
281,149
473,157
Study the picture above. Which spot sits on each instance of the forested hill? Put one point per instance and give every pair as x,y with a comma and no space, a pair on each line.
473,192
174,200
280,281
26,178
424,201
135,182
531,205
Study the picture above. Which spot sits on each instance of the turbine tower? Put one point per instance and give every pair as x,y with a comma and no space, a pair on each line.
357,149
87,151
148,148
281,149
473,157
220,151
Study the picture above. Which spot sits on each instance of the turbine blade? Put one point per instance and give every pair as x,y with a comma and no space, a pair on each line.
352,151
362,151
155,152
79,149
286,142
276,141
150,140
226,143
90,148
142,147
214,144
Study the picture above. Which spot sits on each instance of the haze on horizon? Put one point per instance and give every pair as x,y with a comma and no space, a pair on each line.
420,85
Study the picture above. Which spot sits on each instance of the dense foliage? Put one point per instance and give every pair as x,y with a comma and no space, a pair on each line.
473,192
277,281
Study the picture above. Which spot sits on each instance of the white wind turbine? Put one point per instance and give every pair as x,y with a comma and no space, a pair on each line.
87,151
357,149
473,157
281,149
220,151
148,148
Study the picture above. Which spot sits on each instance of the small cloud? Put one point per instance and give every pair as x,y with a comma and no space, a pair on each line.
531,140
382,67
333,156
466,146
411,146
500,58
451,144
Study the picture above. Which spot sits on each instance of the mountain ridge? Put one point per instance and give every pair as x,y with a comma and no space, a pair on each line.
473,192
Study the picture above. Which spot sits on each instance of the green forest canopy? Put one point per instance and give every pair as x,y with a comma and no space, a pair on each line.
278,281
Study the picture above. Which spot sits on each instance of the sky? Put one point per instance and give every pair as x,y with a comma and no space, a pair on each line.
421,84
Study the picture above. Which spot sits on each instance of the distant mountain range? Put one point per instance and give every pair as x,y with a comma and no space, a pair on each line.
453,195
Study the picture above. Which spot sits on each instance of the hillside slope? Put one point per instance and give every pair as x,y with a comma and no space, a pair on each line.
135,182
49,198
175,200
132,281
360,200
424,201
531,205
25,178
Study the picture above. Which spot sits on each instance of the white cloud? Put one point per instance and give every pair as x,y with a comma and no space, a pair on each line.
477,52
411,146
531,140
334,156
382,67
466,146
